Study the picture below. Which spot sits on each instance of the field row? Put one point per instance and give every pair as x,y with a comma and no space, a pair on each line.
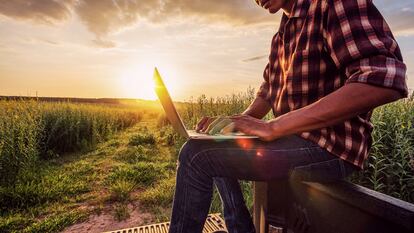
30,131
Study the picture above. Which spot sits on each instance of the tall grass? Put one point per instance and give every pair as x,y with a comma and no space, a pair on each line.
20,128
31,130
390,166
194,110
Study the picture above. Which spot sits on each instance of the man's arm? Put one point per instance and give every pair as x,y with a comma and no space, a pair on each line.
345,103
258,108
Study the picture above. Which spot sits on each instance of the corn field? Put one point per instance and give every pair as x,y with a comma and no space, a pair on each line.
31,130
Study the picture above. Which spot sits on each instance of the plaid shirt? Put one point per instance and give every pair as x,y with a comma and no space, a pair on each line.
321,46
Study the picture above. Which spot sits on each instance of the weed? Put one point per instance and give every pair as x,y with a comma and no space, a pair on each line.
141,139
136,154
159,195
57,223
120,190
14,223
34,188
142,174
121,212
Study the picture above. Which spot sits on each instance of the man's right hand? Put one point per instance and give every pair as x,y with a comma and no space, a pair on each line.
203,124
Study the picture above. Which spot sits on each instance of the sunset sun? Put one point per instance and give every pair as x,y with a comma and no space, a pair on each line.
137,83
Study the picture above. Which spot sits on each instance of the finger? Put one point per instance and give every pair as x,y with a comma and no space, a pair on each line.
272,10
241,120
201,123
219,126
262,2
248,119
237,116
208,122
266,5
214,123
228,129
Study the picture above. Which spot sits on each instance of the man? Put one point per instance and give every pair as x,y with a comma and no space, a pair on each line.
331,63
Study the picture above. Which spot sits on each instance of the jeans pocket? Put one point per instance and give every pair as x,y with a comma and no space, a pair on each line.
326,171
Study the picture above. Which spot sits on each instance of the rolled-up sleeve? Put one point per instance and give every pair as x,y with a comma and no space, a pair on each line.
362,46
264,89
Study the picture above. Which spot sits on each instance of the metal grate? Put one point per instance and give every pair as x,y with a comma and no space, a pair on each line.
213,223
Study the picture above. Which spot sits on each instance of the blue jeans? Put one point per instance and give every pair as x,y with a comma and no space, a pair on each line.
204,162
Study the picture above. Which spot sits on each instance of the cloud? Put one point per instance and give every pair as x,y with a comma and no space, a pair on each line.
228,11
38,11
255,58
401,22
50,42
104,17
37,40
398,14
107,16
102,43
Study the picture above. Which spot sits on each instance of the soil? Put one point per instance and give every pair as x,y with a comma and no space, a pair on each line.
105,221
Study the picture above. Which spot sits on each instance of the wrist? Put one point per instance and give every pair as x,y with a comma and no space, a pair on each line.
248,113
276,128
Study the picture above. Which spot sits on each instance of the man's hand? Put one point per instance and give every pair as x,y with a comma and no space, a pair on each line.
203,124
266,131
213,125
257,109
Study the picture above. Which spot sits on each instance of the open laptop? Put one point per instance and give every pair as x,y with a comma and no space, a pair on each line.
175,119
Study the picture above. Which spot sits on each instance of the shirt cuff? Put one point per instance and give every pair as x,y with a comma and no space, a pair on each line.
379,71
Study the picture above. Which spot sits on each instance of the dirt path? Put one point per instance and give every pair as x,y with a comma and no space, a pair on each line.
104,216
106,221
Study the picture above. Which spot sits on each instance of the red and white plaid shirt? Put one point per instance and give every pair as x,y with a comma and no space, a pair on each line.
322,46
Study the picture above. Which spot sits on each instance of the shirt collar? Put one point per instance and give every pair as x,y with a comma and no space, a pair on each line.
299,9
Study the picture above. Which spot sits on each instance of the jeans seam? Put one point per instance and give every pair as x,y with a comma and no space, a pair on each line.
226,148
230,200
342,167
340,161
185,204
315,163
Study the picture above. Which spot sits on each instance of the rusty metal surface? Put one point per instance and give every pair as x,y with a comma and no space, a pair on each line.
213,223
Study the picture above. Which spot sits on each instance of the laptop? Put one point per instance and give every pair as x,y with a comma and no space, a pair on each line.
175,119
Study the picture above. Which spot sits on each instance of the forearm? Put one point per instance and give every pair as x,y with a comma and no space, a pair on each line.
345,103
258,108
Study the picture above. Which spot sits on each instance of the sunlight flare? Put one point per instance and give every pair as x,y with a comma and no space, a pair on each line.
136,80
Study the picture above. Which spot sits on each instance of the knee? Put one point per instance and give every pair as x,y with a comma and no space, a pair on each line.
187,152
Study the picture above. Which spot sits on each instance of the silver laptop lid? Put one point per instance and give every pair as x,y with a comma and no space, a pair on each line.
168,105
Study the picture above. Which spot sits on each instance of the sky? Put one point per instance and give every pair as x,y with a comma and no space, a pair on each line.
108,48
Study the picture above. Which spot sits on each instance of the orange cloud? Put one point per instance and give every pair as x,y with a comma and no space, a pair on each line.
38,11
106,16
103,17
229,11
